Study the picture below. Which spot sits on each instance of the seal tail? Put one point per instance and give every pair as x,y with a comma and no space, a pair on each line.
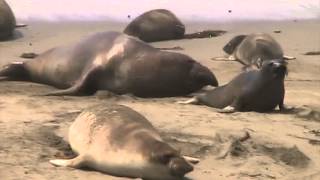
76,162
14,71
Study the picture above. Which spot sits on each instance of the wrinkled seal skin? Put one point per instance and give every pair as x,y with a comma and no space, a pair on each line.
119,141
253,49
156,25
257,90
115,62
7,21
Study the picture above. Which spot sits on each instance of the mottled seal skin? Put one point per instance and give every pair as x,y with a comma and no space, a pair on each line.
256,90
7,21
253,49
156,25
119,141
115,62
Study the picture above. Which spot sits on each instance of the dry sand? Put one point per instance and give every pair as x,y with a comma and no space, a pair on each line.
280,146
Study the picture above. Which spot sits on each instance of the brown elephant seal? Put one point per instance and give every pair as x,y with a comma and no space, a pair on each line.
119,141
7,21
156,25
115,62
256,90
253,49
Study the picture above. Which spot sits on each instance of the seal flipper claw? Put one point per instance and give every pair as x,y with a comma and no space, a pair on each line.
191,160
285,57
193,100
76,162
228,109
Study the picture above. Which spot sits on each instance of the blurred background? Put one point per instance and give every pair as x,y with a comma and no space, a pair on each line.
192,10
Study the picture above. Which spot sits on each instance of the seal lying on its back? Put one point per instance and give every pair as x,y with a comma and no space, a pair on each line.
7,20
156,25
255,48
256,90
116,62
119,141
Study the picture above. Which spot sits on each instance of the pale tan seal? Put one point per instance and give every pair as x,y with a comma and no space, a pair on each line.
117,140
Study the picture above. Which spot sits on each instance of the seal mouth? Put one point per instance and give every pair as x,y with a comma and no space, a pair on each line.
280,69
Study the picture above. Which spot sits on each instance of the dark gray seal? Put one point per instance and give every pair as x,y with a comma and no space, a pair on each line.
7,21
115,62
119,141
256,90
253,49
156,25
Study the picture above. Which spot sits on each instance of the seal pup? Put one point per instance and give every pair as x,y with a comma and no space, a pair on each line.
119,141
253,49
156,25
256,90
115,62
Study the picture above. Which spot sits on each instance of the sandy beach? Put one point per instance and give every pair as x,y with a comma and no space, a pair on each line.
279,146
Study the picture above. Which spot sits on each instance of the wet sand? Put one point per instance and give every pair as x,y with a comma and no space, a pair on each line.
280,146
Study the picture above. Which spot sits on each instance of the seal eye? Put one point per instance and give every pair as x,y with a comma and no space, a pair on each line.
271,64
166,158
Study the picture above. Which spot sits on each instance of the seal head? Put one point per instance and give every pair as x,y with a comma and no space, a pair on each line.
165,155
276,67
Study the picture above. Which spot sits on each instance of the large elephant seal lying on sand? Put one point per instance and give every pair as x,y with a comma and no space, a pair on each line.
156,25
7,21
256,90
116,62
119,141
253,49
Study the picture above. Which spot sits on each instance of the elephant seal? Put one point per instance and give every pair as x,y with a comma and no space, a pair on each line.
256,90
253,49
7,21
156,25
115,62
119,141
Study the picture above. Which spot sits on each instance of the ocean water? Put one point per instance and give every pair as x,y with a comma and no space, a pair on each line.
206,10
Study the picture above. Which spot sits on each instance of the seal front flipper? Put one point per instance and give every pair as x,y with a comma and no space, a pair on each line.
284,108
84,86
76,162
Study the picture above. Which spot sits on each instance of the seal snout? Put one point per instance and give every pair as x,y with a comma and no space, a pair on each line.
179,167
279,67
203,75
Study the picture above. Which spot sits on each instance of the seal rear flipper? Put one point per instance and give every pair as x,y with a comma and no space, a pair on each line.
19,25
14,72
76,162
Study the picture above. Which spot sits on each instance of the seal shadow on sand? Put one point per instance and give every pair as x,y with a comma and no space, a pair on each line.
17,34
